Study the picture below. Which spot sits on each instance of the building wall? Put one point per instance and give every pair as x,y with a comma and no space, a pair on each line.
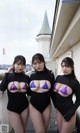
44,49
74,53
43,45
76,58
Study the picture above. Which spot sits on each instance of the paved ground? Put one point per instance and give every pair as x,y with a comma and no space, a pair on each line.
48,132
34,132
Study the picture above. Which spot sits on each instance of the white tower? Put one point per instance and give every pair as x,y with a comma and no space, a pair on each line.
43,38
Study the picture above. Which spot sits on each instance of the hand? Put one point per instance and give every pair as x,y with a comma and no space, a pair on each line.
10,69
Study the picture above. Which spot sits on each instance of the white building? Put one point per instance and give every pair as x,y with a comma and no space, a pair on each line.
65,39
43,38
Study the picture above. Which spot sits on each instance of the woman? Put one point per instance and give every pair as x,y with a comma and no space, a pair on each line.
40,85
17,84
66,85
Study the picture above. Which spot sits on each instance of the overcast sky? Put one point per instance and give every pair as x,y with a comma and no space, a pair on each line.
20,22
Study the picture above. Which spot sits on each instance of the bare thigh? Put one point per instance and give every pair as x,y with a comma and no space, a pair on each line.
59,120
46,116
67,127
37,120
16,122
24,117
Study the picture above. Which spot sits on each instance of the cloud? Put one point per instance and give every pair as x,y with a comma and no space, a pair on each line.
20,22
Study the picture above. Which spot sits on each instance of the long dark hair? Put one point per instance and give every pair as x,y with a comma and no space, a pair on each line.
69,63
38,57
20,59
